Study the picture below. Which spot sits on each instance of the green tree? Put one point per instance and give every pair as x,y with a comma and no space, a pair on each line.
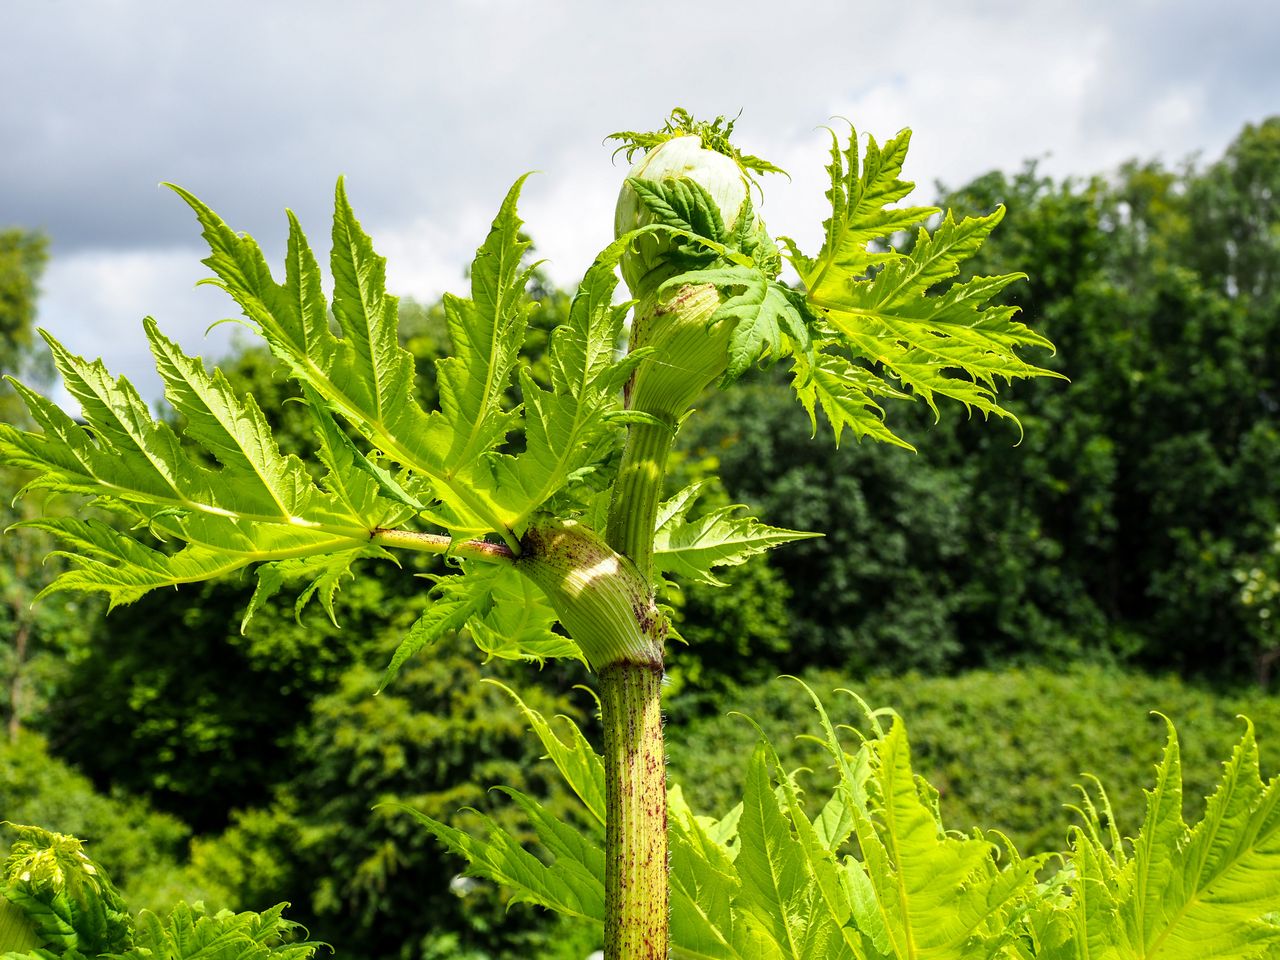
35,640
23,255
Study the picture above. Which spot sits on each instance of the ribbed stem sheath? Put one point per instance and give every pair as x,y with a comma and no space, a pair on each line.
636,879
16,931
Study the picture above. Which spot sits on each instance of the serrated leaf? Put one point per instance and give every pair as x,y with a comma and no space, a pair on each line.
830,935
934,890
691,548
456,599
579,765
776,895
860,215
681,203
106,561
486,332
373,496
517,624
845,392
365,376
766,315
877,298
190,933
570,428
703,883
566,885
1204,891
254,505
69,900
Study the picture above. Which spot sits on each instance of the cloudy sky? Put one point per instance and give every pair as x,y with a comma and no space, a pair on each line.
431,109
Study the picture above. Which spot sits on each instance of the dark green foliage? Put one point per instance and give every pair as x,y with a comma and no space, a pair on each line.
172,701
359,872
1004,749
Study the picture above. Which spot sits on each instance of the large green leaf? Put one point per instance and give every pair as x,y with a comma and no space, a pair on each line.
569,428
692,548
1189,892
366,376
875,304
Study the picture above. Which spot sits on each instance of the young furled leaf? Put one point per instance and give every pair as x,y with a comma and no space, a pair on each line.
691,548
191,933
70,902
684,204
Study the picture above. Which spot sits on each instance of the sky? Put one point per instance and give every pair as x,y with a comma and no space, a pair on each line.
432,109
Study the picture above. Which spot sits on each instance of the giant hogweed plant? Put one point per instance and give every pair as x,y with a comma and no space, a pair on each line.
562,544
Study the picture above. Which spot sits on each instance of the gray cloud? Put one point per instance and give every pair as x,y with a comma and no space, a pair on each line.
431,110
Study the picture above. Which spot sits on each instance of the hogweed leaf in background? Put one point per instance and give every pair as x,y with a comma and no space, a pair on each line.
775,897
692,548
1212,889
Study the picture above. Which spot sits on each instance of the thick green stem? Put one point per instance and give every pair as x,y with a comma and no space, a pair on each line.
637,493
689,355
636,877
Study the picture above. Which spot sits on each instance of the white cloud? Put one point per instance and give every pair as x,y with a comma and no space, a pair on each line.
95,300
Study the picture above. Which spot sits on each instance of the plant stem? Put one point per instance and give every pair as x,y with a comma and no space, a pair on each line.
638,492
636,878
439,543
